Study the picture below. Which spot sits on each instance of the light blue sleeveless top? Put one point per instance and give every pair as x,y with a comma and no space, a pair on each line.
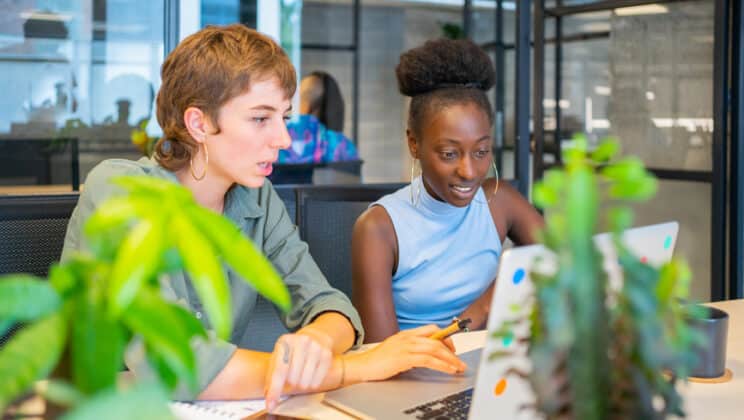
447,255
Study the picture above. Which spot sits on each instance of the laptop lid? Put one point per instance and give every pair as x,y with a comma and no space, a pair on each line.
496,390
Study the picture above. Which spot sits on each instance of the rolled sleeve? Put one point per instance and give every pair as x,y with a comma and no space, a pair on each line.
310,291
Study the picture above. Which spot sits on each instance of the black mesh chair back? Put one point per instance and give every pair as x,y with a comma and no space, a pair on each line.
32,232
288,194
326,219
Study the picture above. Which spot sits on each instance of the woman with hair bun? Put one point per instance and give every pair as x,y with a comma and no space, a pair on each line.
430,251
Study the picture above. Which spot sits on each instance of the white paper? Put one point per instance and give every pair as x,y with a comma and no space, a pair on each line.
216,410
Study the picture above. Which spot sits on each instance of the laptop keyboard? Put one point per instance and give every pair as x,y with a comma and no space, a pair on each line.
453,406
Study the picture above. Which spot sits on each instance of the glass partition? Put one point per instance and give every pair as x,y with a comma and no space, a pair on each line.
78,77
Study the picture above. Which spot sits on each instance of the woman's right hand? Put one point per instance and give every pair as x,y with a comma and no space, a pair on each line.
406,350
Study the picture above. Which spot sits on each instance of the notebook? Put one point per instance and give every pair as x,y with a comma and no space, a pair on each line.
216,410
486,390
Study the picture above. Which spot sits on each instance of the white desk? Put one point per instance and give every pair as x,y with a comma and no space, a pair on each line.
702,401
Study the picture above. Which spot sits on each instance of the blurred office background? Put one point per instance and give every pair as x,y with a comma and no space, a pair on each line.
663,77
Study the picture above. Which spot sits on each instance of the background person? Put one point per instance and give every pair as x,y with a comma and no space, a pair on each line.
317,133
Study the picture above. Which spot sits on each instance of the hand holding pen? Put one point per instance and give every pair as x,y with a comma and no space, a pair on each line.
456,326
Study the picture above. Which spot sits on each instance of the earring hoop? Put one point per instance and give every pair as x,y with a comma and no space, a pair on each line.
415,196
206,164
496,175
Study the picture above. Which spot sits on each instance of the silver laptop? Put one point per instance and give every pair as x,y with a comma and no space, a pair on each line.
485,389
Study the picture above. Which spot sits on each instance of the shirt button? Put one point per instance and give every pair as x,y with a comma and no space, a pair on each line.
198,315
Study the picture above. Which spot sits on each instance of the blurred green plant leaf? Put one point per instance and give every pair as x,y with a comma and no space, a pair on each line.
30,355
136,263
59,392
629,167
166,329
111,224
64,279
24,297
544,196
241,255
606,150
620,218
205,272
636,189
97,345
141,402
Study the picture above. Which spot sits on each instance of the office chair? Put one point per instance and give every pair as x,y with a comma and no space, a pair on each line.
326,216
288,194
32,232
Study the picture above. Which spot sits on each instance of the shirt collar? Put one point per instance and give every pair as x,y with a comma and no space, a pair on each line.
242,203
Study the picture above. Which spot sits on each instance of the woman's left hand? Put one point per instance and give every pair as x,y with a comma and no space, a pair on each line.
299,361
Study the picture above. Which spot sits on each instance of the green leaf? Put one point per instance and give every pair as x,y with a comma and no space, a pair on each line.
136,263
30,355
24,297
97,346
626,168
142,402
60,392
159,363
112,221
543,196
167,330
605,151
5,325
62,278
205,272
241,255
635,189
621,218
674,278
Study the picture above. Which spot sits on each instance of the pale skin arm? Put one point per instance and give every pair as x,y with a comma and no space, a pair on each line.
514,217
248,373
374,250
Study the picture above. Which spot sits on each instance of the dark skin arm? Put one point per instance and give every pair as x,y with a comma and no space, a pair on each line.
374,255
514,217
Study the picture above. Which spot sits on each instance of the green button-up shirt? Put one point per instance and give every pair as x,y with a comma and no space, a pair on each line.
262,217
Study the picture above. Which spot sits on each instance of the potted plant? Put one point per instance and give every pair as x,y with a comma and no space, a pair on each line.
79,322
598,351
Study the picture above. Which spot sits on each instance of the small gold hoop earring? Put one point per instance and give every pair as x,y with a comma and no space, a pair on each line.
496,175
415,196
206,164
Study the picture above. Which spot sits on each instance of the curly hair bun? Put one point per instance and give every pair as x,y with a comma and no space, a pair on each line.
444,63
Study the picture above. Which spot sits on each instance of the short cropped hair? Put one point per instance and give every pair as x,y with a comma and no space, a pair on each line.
206,70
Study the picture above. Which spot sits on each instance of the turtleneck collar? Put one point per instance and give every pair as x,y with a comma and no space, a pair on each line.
431,205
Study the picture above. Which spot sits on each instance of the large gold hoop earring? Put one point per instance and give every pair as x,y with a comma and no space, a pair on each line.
415,196
496,175
206,164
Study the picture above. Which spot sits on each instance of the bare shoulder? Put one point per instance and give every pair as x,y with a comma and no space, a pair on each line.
374,221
